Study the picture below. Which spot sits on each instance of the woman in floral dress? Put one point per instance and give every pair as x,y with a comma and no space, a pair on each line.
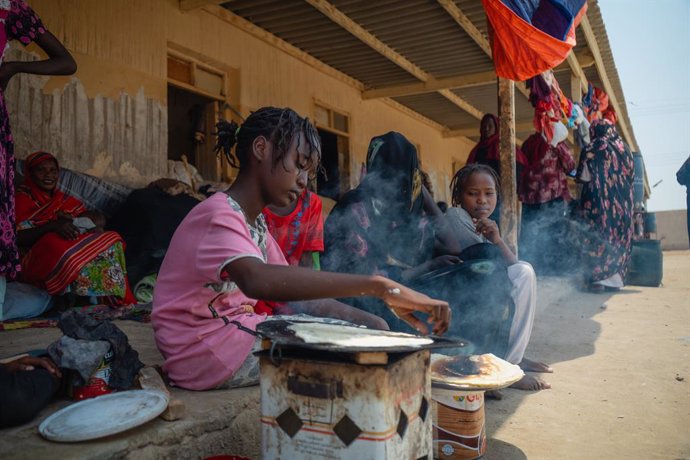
607,206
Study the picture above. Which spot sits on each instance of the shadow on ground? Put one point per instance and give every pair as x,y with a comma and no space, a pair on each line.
561,308
501,450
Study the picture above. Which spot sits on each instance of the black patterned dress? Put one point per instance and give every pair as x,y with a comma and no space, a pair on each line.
607,205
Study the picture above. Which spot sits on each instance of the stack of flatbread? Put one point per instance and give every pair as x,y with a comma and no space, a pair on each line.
477,372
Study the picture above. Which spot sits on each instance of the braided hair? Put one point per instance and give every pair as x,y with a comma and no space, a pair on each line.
279,126
464,173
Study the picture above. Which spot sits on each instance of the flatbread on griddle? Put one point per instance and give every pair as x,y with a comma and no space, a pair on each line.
348,336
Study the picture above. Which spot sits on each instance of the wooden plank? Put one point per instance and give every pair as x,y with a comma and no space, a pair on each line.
374,357
577,72
414,115
432,85
150,379
462,103
474,130
257,32
367,38
189,5
461,132
475,34
267,37
467,25
576,88
601,70
372,41
509,207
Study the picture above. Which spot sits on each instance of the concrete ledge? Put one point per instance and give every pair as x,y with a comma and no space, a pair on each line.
216,422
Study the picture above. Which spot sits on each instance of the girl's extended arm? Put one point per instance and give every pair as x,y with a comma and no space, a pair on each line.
59,62
284,284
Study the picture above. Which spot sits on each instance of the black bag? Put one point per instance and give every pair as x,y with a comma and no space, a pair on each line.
478,291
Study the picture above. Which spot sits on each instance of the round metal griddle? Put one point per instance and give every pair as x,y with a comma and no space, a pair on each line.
278,332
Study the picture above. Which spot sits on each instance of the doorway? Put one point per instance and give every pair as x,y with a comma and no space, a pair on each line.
190,130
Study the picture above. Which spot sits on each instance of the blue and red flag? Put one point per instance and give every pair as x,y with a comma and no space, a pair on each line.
529,37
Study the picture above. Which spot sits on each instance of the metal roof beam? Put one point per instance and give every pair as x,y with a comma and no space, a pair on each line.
432,85
344,21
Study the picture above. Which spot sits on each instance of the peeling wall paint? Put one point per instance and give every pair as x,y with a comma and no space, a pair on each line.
123,139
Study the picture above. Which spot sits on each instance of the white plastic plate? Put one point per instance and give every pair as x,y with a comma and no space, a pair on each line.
104,415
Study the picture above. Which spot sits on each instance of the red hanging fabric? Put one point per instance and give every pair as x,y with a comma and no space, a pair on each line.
521,50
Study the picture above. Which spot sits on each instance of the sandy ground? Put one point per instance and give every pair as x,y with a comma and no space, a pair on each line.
621,386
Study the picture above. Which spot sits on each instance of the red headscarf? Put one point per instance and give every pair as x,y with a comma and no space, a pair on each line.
35,206
489,144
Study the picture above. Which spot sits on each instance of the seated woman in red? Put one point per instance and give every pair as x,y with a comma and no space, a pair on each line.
64,247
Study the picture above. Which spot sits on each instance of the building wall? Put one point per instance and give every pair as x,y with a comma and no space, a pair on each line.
672,229
110,118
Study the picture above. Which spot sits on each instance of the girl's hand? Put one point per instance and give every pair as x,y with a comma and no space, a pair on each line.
488,228
404,302
29,363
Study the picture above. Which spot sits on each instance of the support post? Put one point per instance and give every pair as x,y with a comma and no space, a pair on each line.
509,205
576,96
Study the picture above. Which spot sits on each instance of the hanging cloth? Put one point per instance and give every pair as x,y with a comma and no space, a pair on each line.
529,37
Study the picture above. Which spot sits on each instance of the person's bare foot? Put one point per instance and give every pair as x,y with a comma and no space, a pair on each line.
531,383
493,394
534,366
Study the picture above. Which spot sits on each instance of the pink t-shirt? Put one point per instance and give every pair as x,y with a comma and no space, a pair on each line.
191,304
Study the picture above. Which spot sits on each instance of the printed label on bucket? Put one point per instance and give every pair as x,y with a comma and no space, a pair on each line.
463,400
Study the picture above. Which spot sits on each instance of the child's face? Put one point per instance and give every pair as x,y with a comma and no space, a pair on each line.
289,177
478,196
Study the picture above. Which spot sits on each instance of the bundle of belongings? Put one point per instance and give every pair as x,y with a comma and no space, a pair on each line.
99,354
147,222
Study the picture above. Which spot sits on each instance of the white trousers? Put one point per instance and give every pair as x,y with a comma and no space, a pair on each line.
524,296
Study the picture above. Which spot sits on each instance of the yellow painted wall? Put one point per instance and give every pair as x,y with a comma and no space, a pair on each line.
121,47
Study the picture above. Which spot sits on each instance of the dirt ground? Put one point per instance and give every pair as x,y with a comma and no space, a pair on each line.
621,382
621,387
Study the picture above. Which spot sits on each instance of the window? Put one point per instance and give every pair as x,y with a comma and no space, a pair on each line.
192,75
334,129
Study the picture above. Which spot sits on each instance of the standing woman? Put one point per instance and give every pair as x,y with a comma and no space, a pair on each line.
487,152
607,206
19,22
544,195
